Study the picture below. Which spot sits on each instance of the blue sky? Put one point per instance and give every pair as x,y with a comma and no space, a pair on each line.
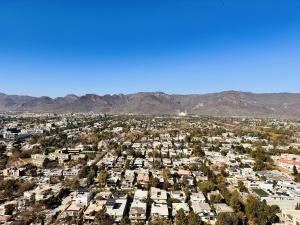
58,47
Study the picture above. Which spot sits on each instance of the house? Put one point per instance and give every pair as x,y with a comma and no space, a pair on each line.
167,162
159,210
120,195
76,150
127,182
197,197
204,211
158,195
223,208
138,163
109,160
138,211
177,206
140,195
143,178
214,193
283,200
74,210
290,217
38,159
187,152
93,207
178,195
112,181
104,195
59,155
71,172
116,208
83,197
102,144
288,163
182,172
45,192
13,172
199,176
138,208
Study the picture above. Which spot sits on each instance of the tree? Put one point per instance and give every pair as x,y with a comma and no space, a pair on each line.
274,183
157,221
225,219
153,182
215,198
166,184
75,184
194,219
125,221
197,151
206,186
84,172
295,171
181,218
2,148
259,212
46,162
92,174
9,209
234,201
223,153
259,165
102,218
102,177
127,164
242,186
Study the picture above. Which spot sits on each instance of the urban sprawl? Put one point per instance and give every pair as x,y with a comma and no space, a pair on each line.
156,170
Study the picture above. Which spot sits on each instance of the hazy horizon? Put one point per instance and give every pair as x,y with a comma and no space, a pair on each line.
131,93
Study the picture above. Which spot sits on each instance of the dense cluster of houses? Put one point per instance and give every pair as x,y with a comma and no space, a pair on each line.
152,176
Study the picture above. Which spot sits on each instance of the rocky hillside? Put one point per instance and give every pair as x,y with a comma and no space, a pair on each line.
228,103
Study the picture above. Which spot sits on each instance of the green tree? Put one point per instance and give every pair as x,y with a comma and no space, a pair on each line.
102,177
215,198
153,182
295,171
181,218
206,186
225,219
234,201
127,164
259,212
125,221
9,209
197,151
75,184
46,162
259,165
102,218
242,186
194,219
84,172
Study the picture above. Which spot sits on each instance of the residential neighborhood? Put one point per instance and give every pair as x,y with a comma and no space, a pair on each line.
106,169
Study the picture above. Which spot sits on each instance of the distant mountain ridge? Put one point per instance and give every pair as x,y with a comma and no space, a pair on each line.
227,103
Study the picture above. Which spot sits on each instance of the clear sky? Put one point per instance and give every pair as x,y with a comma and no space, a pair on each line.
57,47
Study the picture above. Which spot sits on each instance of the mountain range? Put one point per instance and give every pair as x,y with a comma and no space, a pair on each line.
227,103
